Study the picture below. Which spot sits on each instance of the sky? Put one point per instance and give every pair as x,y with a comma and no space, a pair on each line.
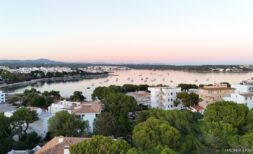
130,31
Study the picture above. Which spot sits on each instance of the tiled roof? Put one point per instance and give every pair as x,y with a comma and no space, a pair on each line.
196,107
247,95
217,88
54,147
89,108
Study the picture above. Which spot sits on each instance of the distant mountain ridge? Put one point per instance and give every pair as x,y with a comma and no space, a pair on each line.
36,61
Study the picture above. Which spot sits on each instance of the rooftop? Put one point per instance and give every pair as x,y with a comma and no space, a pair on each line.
196,107
247,95
57,144
216,88
89,108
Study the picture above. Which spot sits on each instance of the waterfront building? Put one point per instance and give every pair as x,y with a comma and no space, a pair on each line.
164,97
87,110
141,97
243,94
2,97
59,145
212,94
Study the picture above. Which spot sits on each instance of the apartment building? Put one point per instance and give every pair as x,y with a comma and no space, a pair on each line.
243,95
164,97
2,97
212,94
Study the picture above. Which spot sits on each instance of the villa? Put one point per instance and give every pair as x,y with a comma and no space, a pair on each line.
87,110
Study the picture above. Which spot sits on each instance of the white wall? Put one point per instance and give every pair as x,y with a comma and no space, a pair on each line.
165,95
239,99
242,88
90,117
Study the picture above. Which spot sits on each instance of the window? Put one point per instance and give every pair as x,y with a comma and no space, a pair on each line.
171,94
209,92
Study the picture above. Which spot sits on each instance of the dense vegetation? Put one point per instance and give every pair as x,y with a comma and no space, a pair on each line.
101,92
188,99
8,77
66,124
17,126
224,125
35,98
186,87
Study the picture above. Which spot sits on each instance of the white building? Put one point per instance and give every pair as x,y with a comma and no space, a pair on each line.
40,126
164,97
141,97
2,97
243,95
243,88
87,110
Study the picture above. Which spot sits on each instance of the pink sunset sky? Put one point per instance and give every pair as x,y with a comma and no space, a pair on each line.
171,32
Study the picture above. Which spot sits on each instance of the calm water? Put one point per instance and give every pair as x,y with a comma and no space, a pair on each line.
149,77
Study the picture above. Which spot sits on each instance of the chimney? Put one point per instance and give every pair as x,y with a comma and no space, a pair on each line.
61,139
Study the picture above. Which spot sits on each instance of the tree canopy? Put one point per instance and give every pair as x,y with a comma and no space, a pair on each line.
77,96
100,145
66,124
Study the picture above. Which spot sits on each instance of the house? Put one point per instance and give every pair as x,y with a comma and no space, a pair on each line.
196,108
212,94
243,95
2,97
87,110
41,125
59,145
164,97
141,97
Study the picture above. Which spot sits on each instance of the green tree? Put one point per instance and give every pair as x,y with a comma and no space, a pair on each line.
216,134
23,117
101,92
186,87
66,124
117,103
105,124
38,101
154,132
241,142
188,99
100,145
143,87
5,126
77,96
228,112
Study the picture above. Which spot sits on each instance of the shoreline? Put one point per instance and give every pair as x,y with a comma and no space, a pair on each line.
65,78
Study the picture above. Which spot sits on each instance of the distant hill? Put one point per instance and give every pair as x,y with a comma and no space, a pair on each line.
37,61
